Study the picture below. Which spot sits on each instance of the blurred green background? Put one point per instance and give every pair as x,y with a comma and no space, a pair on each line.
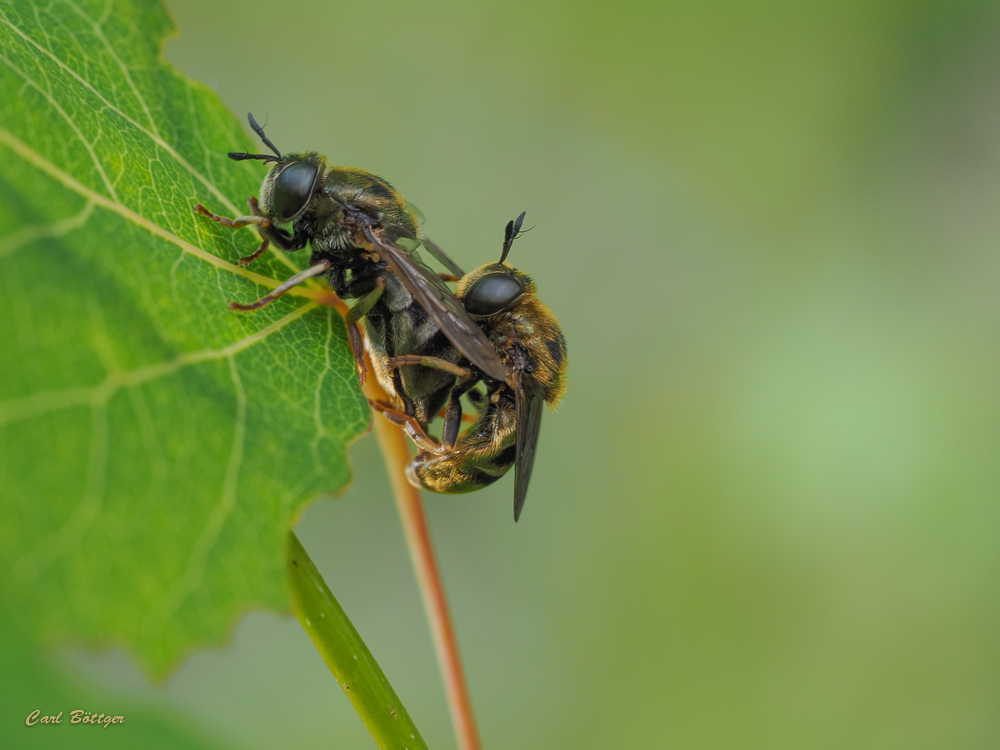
767,515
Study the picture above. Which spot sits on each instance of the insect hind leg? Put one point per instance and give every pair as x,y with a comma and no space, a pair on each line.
410,425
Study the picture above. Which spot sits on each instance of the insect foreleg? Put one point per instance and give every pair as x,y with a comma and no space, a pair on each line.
248,259
237,223
263,225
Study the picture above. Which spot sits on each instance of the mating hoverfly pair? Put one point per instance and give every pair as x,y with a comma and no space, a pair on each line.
429,346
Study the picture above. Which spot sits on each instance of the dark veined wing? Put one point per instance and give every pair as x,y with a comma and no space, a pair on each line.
529,400
440,303
443,259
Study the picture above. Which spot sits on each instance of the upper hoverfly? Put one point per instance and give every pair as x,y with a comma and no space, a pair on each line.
526,335
354,220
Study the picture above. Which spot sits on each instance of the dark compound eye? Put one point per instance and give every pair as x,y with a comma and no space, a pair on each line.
491,294
292,190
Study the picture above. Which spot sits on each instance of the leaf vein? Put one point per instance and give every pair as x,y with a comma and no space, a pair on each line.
164,608
69,121
321,431
44,402
121,66
61,543
152,135
230,206
33,157
26,235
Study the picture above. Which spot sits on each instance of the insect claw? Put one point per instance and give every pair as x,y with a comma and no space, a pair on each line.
247,260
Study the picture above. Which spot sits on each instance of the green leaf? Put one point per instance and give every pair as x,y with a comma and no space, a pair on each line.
154,446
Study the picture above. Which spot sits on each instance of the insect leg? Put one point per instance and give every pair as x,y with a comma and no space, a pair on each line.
322,267
239,221
412,427
433,362
453,414
465,417
360,309
448,277
364,305
247,260
357,344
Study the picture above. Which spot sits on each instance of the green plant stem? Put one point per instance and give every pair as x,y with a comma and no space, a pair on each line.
347,656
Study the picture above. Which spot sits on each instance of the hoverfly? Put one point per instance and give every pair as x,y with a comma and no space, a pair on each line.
527,337
353,221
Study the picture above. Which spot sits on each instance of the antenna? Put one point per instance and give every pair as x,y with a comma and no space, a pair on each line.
511,233
237,156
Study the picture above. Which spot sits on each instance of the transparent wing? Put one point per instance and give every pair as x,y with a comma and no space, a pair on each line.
529,400
433,247
443,259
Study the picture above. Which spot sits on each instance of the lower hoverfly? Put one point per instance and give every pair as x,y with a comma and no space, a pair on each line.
527,337
364,236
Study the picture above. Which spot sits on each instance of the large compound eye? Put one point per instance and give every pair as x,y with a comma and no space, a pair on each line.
292,190
491,294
